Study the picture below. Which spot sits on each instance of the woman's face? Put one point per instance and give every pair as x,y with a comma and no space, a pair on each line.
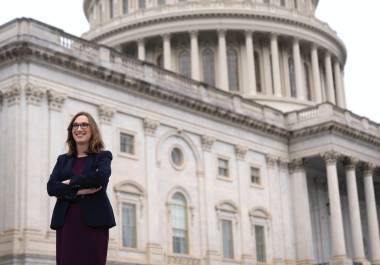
81,130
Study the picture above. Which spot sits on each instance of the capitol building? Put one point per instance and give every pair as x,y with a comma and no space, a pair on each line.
227,119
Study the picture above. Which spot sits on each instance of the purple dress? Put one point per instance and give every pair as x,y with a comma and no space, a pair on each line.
77,243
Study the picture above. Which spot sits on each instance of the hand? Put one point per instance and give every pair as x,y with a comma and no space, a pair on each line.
67,181
88,191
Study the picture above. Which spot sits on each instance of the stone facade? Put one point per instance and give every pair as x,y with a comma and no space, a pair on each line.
309,177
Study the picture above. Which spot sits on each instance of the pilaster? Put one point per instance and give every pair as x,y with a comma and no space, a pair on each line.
251,74
222,60
298,70
275,65
329,79
195,72
167,52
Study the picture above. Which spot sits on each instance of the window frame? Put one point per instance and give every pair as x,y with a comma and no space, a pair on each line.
129,192
260,217
133,156
254,184
228,160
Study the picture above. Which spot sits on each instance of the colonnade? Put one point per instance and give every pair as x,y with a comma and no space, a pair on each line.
302,210
323,82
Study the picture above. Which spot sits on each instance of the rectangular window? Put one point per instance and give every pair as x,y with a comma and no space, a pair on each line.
125,7
129,225
127,143
223,170
228,244
260,243
141,4
255,175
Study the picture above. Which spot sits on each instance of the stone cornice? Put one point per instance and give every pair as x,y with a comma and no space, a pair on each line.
334,127
213,13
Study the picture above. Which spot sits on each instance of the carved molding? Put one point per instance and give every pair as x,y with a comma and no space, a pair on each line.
34,95
241,151
150,126
297,165
56,100
106,114
207,142
12,94
283,163
271,160
330,157
183,260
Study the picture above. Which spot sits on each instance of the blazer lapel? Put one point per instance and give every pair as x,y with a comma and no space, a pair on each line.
89,161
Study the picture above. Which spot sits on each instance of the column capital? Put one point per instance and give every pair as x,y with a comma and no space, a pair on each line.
283,163
166,36
207,142
240,151
271,160
273,35
249,32
297,164
150,126
330,157
106,114
350,162
221,32
34,94
56,99
12,94
141,41
368,169
193,33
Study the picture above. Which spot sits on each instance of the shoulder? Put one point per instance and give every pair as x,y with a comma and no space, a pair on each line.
63,157
105,154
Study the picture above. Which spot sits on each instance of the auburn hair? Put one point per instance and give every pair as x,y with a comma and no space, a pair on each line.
96,143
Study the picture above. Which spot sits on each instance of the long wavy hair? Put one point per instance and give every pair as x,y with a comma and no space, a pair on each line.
96,143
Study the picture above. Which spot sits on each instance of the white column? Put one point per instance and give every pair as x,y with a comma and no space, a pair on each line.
222,62
340,100
154,233
167,52
212,246
195,73
298,70
338,249
372,219
275,202
251,74
243,181
354,210
275,65
141,49
329,78
316,74
302,218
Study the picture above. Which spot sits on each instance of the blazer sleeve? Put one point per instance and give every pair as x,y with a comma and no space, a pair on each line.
96,177
56,188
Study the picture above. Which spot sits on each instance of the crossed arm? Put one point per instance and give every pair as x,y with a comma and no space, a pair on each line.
90,183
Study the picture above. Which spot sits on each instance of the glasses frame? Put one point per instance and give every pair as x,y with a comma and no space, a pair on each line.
82,125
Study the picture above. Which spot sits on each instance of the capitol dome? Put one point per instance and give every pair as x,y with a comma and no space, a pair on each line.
275,52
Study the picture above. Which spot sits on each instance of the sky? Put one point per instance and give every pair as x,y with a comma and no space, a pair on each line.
356,22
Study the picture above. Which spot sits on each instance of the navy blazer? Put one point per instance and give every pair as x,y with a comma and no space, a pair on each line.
96,208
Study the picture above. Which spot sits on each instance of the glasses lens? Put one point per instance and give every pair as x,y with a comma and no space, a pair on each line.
83,125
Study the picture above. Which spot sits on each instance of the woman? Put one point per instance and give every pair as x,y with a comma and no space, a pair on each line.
82,214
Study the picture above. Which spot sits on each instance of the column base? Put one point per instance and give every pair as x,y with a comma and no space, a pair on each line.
213,257
340,260
305,262
247,259
154,254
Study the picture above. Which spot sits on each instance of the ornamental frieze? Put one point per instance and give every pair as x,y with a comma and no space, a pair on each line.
106,114
56,100
12,94
34,94
207,142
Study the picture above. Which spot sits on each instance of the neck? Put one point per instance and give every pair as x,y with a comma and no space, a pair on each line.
82,149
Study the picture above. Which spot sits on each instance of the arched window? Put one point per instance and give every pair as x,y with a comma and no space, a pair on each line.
125,7
282,3
307,81
141,4
260,221
293,90
185,63
111,5
179,224
160,61
296,4
208,62
259,88
233,74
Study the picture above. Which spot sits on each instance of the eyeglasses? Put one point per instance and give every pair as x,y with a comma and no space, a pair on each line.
83,125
